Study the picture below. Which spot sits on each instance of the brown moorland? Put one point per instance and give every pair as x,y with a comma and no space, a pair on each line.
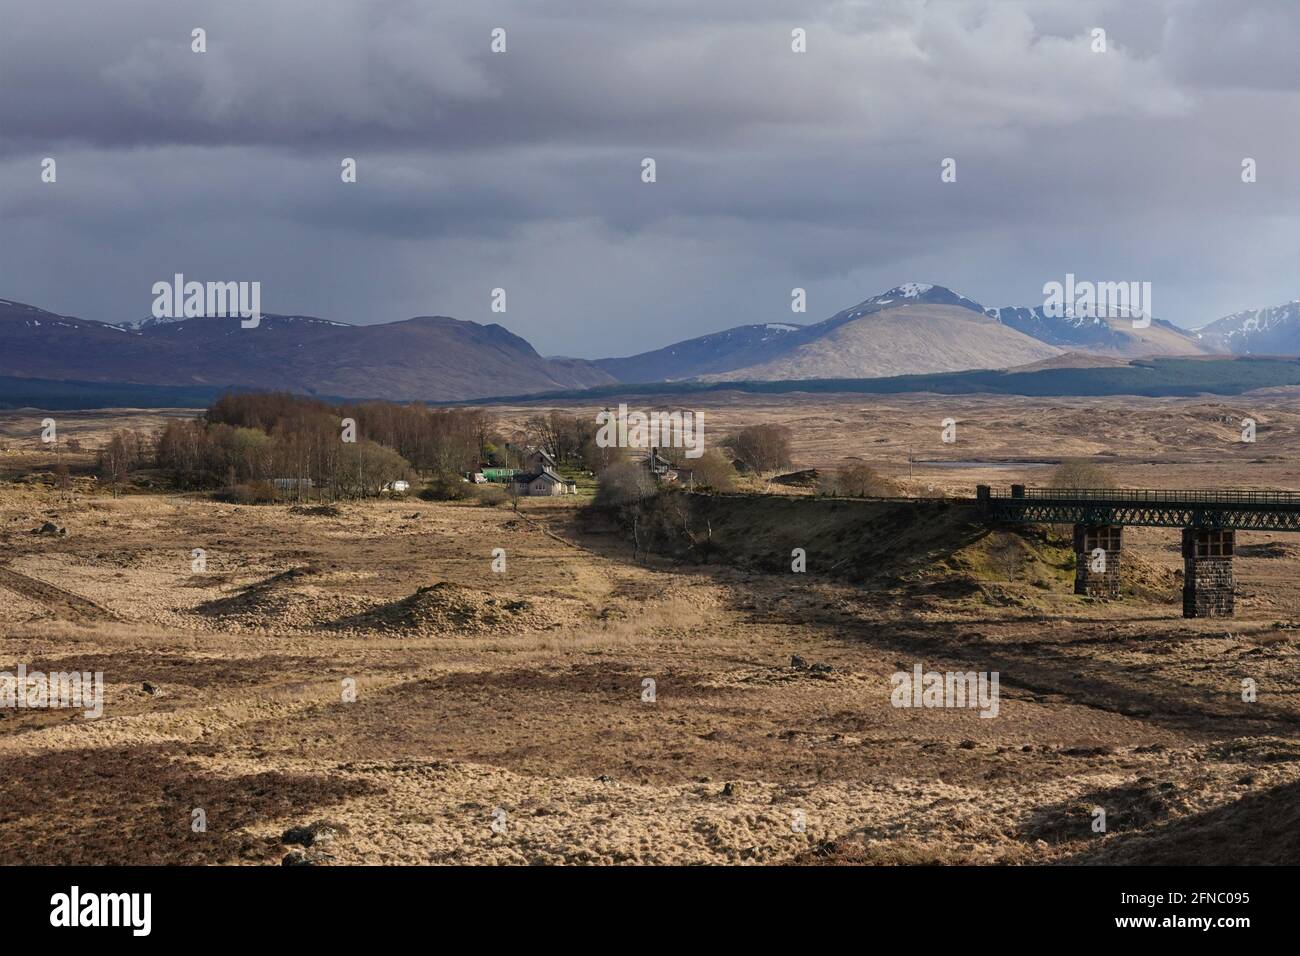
505,717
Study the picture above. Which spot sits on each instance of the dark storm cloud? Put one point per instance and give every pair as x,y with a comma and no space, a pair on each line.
522,170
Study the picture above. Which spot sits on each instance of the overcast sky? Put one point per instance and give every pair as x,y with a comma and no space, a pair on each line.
522,170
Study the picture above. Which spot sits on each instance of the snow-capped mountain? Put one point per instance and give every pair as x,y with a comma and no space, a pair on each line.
921,292
154,323
761,347
1108,336
1271,331
19,314
915,327
148,323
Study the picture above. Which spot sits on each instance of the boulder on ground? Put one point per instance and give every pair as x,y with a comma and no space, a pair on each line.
315,833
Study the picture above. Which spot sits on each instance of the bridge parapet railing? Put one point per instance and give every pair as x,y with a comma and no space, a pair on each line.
1153,496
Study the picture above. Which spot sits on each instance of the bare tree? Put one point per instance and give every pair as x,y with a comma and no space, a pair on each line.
764,448
626,483
115,459
63,481
858,480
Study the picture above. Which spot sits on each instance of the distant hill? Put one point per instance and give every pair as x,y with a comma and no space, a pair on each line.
912,328
1104,336
717,352
1216,375
428,357
1271,331
906,337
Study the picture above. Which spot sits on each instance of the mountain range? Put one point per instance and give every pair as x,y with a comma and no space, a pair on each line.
1274,331
429,357
912,329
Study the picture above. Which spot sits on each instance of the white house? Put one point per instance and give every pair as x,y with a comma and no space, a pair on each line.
543,482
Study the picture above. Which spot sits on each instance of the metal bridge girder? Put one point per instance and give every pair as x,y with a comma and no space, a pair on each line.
1249,511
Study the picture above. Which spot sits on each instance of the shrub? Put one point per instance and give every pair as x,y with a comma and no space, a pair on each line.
1081,473
490,496
763,448
446,487
247,493
857,480
623,484
713,470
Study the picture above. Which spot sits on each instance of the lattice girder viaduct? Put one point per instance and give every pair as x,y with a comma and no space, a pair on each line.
1209,520
1216,510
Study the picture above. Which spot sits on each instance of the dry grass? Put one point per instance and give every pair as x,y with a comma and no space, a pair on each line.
534,704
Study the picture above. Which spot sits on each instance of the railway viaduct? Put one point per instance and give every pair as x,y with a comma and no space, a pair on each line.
1209,521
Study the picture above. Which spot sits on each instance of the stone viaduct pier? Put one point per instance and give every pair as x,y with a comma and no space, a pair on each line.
1209,521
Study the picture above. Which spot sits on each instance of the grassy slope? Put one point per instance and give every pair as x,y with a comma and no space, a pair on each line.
922,339
887,543
940,549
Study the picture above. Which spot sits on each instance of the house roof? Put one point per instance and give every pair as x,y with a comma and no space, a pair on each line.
530,477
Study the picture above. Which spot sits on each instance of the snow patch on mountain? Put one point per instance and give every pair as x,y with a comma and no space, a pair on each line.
1268,331
910,290
148,323
154,323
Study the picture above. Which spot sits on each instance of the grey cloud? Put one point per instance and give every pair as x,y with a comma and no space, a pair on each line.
522,170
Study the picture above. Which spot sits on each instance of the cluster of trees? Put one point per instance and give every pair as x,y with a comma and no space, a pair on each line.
762,449
436,440
311,454
571,440
248,441
127,450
